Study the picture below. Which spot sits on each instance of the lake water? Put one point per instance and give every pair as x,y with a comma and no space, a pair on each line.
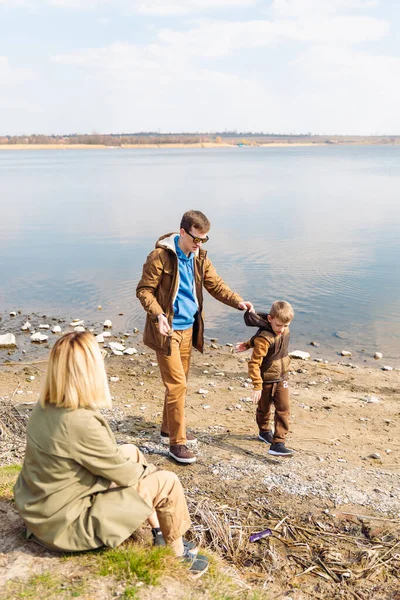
318,226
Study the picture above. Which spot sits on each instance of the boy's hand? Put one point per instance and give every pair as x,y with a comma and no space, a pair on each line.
241,347
256,395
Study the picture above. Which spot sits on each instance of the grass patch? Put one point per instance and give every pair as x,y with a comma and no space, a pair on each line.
133,563
46,586
8,477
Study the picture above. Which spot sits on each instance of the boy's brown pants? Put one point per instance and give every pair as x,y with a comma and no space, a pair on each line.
276,394
174,372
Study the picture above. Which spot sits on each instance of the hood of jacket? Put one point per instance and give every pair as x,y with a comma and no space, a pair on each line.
260,320
167,242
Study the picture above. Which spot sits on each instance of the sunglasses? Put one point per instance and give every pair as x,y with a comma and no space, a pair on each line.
197,240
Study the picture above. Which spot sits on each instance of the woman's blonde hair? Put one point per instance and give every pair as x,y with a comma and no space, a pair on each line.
76,377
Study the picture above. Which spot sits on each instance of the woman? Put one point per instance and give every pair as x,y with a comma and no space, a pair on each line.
77,489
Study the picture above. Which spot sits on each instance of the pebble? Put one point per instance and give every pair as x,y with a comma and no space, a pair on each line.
44,326
220,374
56,329
201,391
299,354
213,339
375,455
387,368
130,351
214,346
106,334
115,346
345,353
99,307
100,338
230,388
39,337
205,372
126,334
312,383
114,379
26,326
30,378
371,399
315,344
107,323
79,329
205,406
341,460
378,355
77,323
7,340
13,313
135,330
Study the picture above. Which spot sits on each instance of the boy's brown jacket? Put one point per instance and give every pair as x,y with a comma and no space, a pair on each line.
159,285
269,361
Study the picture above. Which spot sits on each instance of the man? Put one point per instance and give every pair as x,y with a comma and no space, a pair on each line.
171,292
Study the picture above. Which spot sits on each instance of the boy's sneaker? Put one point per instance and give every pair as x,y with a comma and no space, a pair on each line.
182,454
198,563
266,436
279,449
191,440
158,540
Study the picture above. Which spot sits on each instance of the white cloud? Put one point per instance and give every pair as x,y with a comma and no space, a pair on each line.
284,9
155,7
13,75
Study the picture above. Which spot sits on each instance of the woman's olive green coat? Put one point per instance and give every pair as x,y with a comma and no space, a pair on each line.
62,492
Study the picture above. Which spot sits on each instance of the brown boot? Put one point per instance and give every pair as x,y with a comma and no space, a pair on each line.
182,454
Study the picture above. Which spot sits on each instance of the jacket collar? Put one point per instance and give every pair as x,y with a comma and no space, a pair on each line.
168,243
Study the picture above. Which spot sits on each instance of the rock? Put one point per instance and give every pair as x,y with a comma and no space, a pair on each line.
135,330
312,383
214,346
77,323
341,460
30,378
247,399
116,348
44,326
345,353
126,334
318,360
107,323
371,399
229,345
299,354
315,344
26,326
114,379
79,329
205,406
230,388
99,307
56,329
201,391
100,338
375,455
130,351
7,341
213,339
39,337
220,374
13,313
378,355
387,368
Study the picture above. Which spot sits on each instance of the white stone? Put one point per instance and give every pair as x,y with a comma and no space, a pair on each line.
13,313
126,334
229,345
378,355
79,329
341,460
248,399
106,334
56,329
205,371
116,346
214,346
39,337
100,338
299,354
107,323
114,379
371,399
135,330
201,391
77,323
206,406
387,368
26,326
30,378
44,326
7,340
375,455
230,388
130,351
220,374
345,353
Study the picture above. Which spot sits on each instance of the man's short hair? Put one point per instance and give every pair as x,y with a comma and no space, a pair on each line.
195,218
282,310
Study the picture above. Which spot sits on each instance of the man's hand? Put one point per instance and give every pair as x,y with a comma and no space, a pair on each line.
246,306
163,325
241,347
255,396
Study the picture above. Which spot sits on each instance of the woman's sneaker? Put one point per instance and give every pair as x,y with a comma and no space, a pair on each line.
279,449
191,440
266,436
198,563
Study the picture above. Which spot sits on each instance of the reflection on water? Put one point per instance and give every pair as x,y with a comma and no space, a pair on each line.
318,227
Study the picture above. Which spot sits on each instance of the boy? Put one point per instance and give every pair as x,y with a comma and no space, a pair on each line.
268,369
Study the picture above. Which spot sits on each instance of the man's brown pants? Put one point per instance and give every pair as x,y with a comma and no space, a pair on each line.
174,372
276,394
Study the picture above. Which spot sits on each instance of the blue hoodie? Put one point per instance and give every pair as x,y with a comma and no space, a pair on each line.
185,305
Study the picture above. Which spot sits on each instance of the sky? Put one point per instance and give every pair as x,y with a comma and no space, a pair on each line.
276,66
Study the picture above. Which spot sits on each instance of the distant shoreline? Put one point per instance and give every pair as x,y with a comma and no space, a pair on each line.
189,145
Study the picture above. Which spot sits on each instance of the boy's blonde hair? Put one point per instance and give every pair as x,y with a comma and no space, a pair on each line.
282,310
76,377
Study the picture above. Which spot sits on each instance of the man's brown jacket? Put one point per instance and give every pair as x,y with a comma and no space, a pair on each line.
159,286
